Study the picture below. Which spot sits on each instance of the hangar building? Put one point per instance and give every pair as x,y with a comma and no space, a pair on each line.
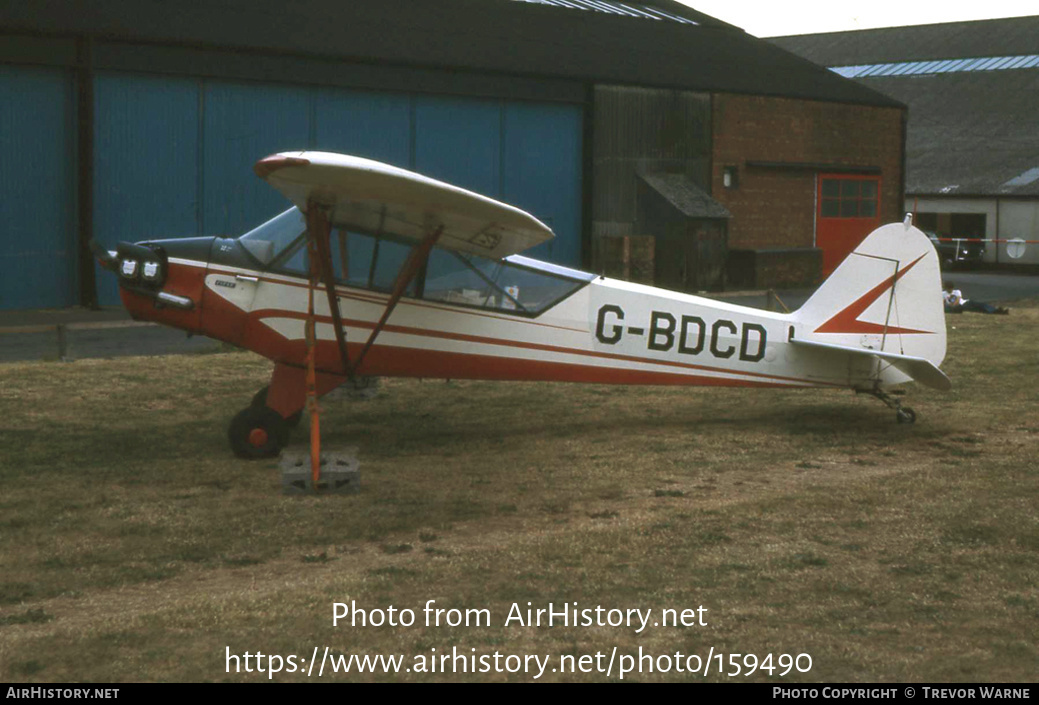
135,119
972,155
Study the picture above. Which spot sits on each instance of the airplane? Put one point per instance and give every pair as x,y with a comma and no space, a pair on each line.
376,271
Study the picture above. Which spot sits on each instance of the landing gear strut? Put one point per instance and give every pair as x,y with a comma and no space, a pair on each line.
903,414
260,399
259,431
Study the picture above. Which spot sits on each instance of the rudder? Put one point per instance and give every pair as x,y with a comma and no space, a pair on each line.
886,296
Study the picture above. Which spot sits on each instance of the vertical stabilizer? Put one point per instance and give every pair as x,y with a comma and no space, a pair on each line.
885,296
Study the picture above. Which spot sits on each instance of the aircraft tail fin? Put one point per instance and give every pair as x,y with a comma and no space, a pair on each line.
884,299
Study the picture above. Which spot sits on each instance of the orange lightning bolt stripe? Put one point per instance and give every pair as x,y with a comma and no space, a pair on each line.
847,320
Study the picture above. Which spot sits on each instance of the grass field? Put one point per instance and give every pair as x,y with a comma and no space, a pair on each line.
133,546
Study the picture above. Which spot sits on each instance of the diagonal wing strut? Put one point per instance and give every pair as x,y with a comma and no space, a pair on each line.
413,265
320,230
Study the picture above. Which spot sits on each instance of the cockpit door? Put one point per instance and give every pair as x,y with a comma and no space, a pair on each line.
230,291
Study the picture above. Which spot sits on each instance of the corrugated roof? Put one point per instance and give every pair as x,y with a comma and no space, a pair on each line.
610,7
931,66
489,36
950,40
970,133
972,128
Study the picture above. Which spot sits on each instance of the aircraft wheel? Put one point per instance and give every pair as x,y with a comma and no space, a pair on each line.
260,399
257,432
906,415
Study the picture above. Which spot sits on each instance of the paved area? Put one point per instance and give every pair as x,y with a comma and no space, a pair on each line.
77,333
993,287
983,286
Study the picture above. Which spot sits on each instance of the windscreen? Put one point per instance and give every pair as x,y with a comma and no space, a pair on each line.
269,241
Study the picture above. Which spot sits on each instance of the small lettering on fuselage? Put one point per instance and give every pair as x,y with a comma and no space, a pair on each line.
689,335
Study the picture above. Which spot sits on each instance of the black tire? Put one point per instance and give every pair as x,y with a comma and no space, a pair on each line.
260,399
905,415
257,432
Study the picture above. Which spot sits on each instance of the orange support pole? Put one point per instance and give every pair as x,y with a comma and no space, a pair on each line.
311,342
312,407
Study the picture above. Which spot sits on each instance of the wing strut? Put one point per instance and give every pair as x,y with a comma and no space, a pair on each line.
413,265
320,253
320,230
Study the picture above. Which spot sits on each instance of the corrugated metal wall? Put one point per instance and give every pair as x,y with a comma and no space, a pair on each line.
645,130
174,156
37,188
242,123
146,153
375,125
542,157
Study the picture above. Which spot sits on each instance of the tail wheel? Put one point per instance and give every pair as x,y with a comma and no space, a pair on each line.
257,432
905,415
260,399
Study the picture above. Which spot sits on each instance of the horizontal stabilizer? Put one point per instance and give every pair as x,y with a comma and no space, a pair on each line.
920,369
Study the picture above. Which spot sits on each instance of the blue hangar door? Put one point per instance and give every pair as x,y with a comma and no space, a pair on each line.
527,154
37,188
174,156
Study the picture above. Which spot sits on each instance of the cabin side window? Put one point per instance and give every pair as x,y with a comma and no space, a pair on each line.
514,285
367,262
503,285
456,279
360,260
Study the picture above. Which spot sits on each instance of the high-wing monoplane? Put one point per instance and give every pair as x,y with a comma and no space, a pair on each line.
379,271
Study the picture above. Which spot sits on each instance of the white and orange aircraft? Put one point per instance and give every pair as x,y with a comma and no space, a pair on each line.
378,271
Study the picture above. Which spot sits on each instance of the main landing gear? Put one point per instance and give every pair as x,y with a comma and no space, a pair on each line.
903,414
259,431
260,399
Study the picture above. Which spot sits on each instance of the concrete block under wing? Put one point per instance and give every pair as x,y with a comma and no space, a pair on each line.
340,472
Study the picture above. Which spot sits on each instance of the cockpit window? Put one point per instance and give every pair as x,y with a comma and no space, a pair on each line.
504,285
274,236
515,285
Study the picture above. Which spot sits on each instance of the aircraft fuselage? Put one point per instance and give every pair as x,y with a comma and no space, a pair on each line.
606,331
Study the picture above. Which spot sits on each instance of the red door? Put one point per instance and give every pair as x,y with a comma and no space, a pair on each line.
849,207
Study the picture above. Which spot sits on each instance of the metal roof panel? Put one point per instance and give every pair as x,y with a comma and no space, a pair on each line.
525,39
1011,36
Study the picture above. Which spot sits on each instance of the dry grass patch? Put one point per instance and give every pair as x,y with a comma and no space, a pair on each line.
135,547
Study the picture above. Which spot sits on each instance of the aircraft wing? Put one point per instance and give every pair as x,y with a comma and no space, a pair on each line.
920,369
377,198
